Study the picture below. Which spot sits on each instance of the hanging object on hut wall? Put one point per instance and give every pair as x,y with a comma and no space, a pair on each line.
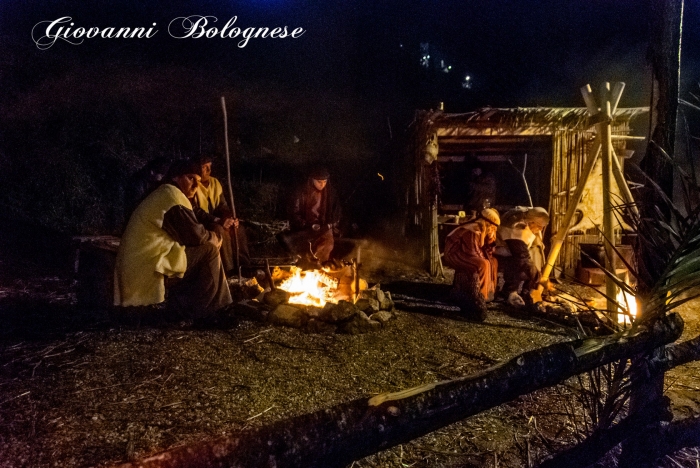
430,152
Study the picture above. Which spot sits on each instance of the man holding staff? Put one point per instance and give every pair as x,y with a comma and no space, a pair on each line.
210,198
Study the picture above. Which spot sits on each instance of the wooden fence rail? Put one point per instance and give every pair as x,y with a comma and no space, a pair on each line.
336,436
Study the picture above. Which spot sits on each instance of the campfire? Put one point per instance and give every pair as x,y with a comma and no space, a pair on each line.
328,301
314,288
317,288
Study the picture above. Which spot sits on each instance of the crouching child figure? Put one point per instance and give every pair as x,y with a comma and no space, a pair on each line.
520,252
468,249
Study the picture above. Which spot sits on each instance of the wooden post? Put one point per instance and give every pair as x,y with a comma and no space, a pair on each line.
434,239
608,230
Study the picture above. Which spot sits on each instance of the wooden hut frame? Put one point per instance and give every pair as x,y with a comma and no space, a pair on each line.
571,137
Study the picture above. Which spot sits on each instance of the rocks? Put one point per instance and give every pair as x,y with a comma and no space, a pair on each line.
274,298
382,317
314,312
359,323
386,303
340,312
368,306
382,297
317,326
251,310
370,313
289,316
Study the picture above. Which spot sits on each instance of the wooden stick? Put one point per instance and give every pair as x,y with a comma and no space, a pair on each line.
230,190
268,273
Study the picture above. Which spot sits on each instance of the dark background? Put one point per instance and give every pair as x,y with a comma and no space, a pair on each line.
77,120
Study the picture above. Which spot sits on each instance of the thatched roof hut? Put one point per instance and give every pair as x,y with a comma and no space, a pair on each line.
532,155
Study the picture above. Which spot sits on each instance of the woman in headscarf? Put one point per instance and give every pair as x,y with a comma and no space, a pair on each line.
468,249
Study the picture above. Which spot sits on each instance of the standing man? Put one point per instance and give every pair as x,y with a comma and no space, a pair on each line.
314,215
210,198
468,250
163,239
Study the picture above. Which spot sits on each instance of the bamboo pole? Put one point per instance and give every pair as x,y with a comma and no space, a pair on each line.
434,242
605,132
622,183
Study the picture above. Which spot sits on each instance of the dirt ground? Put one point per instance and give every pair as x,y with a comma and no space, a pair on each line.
78,390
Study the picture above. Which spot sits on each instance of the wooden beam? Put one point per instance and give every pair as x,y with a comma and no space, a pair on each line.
615,96
622,183
335,437
628,137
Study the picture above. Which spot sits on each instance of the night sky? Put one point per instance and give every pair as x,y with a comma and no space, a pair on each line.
517,52
344,88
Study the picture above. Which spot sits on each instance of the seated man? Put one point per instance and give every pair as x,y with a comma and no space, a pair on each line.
468,251
210,198
520,251
314,215
164,238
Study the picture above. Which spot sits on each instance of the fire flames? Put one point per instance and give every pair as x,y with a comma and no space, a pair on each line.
313,288
628,307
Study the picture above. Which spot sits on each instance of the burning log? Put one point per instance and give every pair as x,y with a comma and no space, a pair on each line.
336,436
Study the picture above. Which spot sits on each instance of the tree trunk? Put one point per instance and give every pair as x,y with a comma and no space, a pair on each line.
597,445
664,55
667,439
336,436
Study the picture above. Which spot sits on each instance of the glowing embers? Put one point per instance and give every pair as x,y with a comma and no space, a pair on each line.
311,287
627,307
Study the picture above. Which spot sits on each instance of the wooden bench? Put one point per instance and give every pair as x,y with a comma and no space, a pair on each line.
94,261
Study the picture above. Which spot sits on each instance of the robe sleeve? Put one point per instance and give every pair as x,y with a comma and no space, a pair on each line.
222,210
182,225
207,219
335,211
296,211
